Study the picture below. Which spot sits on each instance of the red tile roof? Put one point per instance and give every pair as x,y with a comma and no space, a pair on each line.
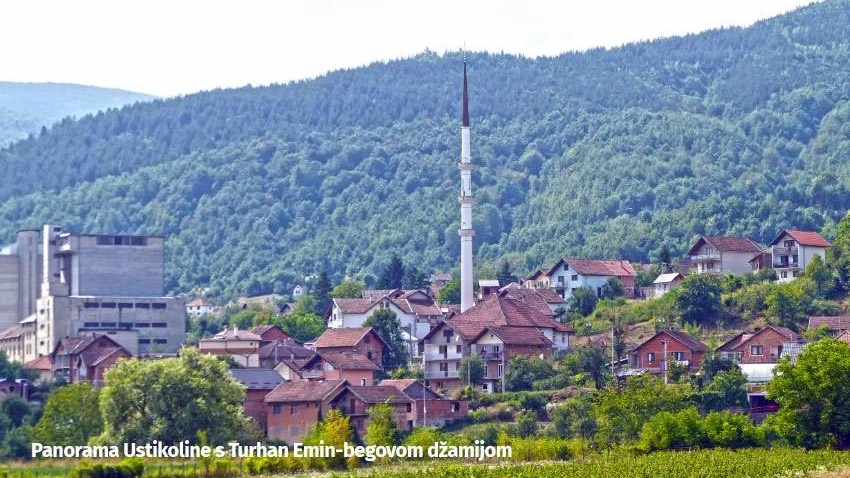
596,267
804,238
235,334
726,244
349,361
380,394
302,391
344,337
199,303
42,363
831,323
353,306
517,336
744,337
681,337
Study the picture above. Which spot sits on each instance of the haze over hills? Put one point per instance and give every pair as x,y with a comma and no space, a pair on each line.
26,107
606,153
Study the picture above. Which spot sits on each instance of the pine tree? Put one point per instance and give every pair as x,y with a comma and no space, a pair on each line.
505,275
664,258
322,293
392,276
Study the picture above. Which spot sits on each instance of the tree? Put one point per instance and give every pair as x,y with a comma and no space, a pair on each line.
613,288
414,279
386,324
820,275
574,418
813,396
71,416
730,389
664,257
590,360
472,369
333,430
392,275
322,294
698,299
526,424
348,289
523,372
787,301
302,323
582,301
172,400
505,275
382,428
450,293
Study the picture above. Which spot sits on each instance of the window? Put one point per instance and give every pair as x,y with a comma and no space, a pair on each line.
501,369
125,325
784,274
796,273
160,341
142,325
679,356
158,305
91,324
159,325
444,349
139,241
756,350
108,324
276,409
459,349
90,305
444,367
650,357
362,382
409,408
144,341
107,305
575,278
125,305
560,280
293,409
142,305
369,355
366,339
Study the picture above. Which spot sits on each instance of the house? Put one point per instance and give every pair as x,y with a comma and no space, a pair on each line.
664,283
537,297
680,348
16,386
270,333
792,250
12,343
438,281
86,358
43,366
429,407
722,255
351,366
416,311
294,408
762,346
276,351
355,402
487,287
363,340
296,368
844,337
834,325
242,345
199,308
257,383
453,339
761,261
495,345
537,280
569,274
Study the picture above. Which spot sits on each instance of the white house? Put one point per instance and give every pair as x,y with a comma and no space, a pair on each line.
664,283
569,274
723,255
199,308
792,250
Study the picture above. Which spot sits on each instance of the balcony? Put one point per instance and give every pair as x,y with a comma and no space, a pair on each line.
490,355
711,256
307,374
786,265
436,356
434,374
784,251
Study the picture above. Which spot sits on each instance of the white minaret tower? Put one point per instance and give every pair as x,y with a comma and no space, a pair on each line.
466,232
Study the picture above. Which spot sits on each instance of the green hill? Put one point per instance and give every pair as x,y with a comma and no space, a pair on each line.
26,107
605,153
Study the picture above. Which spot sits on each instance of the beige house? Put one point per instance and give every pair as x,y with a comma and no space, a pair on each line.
723,255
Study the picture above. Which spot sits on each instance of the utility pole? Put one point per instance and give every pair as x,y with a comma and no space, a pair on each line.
665,360
613,372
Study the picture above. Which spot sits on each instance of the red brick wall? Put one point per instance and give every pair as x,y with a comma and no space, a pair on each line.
275,334
440,411
771,343
291,427
363,348
656,346
254,407
360,413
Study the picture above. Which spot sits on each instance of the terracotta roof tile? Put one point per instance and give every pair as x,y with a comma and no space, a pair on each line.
353,306
831,323
726,244
349,361
199,303
804,238
517,336
344,337
303,391
597,267
380,394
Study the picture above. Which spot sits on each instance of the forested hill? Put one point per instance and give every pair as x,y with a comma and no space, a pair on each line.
27,107
606,153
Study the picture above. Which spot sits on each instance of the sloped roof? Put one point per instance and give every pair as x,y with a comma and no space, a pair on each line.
804,238
375,294
517,336
344,337
257,378
78,345
353,306
683,338
667,278
349,361
12,332
832,323
596,267
404,385
380,394
303,391
744,337
235,334
534,275
284,349
93,359
199,303
726,244
41,363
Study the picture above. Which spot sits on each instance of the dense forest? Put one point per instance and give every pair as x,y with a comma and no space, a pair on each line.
604,153
27,107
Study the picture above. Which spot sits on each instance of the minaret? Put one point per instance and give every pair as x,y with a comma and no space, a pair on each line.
466,232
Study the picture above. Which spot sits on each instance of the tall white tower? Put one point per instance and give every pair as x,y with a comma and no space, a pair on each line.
466,232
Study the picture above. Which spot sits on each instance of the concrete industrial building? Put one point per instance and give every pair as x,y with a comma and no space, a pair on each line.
55,284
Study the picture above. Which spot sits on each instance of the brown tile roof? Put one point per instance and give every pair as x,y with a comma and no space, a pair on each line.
12,332
94,358
744,337
41,363
517,336
681,337
380,394
257,378
831,323
78,345
283,350
349,361
235,334
597,267
353,306
534,275
726,244
375,294
344,337
303,391
198,302
804,238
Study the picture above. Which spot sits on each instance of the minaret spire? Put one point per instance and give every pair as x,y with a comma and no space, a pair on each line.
466,232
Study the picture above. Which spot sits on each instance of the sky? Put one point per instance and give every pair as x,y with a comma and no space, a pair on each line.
174,47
